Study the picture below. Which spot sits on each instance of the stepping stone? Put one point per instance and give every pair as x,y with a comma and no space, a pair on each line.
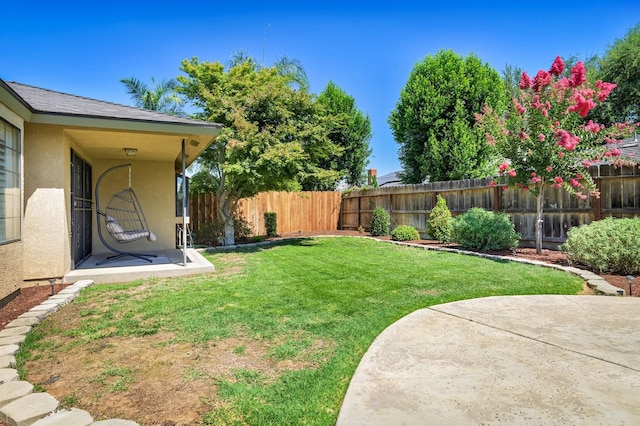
8,375
8,350
83,283
12,340
46,309
72,417
36,314
15,331
115,422
70,290
28,409
11,391
61,298
7,361
20,322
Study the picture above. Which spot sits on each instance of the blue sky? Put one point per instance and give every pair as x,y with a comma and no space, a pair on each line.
368,50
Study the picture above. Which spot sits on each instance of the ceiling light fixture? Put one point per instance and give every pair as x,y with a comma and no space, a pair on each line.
131,151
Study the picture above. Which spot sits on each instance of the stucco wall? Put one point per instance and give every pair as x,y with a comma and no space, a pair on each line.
46,233
153,183
11,253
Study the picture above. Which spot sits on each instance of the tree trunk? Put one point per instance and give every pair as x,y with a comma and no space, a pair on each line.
539,204
226,215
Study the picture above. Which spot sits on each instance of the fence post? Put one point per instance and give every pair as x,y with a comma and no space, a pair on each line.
597,203
496,199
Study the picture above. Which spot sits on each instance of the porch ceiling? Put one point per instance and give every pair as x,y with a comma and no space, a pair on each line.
107,144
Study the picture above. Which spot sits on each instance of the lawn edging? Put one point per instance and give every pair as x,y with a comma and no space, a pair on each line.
594,281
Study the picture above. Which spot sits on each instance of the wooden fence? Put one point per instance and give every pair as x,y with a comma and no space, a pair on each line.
411,204
296,211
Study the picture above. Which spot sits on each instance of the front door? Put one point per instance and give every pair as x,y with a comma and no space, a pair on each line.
81,209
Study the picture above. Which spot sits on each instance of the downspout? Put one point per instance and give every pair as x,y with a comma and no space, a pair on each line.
184,206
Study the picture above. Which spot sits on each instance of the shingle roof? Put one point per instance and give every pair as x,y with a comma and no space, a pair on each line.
630,147
51,102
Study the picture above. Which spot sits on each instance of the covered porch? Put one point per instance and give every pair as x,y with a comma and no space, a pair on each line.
167,263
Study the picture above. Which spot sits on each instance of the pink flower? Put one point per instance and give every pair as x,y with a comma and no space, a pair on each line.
574,182
578,73
604,90
557,67
542,137
615,152
582,196
512,173
521,110
533,174
549,168
582,105
561,154
578,176
567,140
563,83
536,179
593,127
523,135
492,184
504,188
502,167
525,81
541,80
525,188
586,163
557,179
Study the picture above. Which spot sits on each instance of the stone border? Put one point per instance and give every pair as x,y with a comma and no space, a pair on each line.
19,406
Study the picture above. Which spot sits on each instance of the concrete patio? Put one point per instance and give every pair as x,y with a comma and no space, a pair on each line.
168,263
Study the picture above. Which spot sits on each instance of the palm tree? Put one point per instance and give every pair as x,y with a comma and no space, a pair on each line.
161,97
292,69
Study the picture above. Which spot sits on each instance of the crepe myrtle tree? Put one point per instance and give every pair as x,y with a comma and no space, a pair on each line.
545,138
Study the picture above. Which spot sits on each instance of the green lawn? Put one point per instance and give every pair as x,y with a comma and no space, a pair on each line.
319,302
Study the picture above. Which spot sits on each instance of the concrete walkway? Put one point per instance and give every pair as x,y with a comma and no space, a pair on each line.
525,360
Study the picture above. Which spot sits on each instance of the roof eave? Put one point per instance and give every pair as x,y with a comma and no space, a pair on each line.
14,101
212,129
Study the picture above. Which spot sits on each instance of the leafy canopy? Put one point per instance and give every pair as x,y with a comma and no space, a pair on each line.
272,132
621,65
349,129
433,121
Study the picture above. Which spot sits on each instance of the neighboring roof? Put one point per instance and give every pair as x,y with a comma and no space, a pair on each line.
390,179
48,106
630,147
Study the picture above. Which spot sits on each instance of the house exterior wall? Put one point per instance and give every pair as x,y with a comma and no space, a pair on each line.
11,253
46,225
154,185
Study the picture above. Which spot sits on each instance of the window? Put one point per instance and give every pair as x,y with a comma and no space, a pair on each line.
179,194
9,182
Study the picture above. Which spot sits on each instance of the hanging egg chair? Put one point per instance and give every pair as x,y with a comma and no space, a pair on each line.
124,220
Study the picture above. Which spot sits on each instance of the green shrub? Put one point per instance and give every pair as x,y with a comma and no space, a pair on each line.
271,224
439,221
484,230
405,233
611,245
209,232
380,222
